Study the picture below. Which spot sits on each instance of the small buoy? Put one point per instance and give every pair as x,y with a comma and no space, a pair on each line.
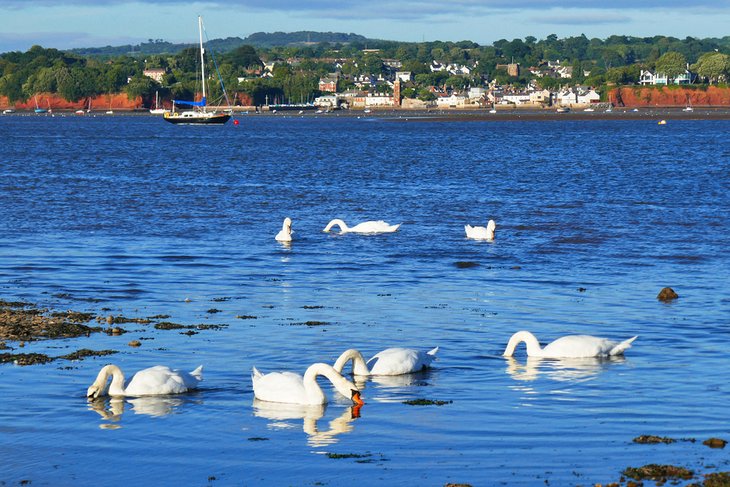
662,122
235,122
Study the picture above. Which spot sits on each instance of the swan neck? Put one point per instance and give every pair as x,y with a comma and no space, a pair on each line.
343,386
359,367
533,346
116,388
343,226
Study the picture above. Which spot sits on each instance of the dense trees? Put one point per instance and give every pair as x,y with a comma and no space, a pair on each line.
616,60
713,66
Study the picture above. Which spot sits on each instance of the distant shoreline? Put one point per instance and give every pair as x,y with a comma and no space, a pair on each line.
433,115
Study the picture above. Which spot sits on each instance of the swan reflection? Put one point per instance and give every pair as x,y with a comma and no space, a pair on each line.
112,408
566,369
280,413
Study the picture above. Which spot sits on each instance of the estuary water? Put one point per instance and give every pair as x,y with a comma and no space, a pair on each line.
130,216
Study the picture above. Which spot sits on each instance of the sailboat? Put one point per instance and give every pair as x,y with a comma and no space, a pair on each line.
158,110
198,115
37,108
688,108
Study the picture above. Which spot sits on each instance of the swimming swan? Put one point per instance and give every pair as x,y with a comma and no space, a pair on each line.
147,382
289,387
285,234
481,233
365,227
571,346
391,361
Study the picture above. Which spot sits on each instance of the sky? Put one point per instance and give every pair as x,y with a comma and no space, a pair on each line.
65,24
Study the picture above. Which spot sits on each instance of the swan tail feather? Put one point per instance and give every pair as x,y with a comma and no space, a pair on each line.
433,352
255,374
198,373
621,347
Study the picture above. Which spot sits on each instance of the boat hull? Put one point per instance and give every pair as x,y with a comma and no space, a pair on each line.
217,119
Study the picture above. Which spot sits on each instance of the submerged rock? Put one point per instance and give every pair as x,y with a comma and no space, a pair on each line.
667,294
715,443
652,439
658,473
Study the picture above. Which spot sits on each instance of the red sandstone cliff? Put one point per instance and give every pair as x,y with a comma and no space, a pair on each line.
634,96
118,101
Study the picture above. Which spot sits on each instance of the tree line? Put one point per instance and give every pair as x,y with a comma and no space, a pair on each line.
616,60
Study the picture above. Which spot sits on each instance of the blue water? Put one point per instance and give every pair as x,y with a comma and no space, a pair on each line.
130,216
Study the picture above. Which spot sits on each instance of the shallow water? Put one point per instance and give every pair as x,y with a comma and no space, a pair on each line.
128,215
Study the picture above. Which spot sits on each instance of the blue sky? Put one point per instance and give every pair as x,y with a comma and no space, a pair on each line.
89,23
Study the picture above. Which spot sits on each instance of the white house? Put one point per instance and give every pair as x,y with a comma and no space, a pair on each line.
540,96
567,98
451,101
477,92
516,98
588,97
155,73
436,67
648,78
404,76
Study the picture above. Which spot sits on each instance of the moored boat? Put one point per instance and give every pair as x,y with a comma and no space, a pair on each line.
198,115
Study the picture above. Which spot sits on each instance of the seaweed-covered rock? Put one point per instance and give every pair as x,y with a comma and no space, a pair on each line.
652,439
658,473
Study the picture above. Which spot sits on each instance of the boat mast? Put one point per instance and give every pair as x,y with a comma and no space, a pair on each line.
202,58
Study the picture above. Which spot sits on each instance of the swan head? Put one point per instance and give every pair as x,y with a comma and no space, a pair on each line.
357,399
95,391
491,227
287,222
348,389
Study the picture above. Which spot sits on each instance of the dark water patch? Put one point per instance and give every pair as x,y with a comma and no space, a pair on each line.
466,264
246,317
311,323
426,402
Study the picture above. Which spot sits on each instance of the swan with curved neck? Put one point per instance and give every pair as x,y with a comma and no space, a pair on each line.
153,381
391,361
285,234
289,387
571,346
481,233
378,226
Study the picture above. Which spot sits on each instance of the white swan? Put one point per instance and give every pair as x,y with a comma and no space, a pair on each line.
148,382
481,233
365,227
285,234
289,387
391,361
571,346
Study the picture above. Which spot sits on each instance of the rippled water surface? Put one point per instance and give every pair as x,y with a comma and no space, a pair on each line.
130,216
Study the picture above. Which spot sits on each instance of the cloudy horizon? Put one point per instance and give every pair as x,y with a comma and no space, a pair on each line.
85,23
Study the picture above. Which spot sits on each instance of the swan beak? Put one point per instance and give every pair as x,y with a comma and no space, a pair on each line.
92,393
356,398
355,411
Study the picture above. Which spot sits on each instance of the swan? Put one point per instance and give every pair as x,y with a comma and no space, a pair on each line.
147,382
285,234
391,361
481,233
288,387
571,346
365,227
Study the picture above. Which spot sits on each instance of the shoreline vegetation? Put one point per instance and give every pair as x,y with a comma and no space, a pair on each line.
573,72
